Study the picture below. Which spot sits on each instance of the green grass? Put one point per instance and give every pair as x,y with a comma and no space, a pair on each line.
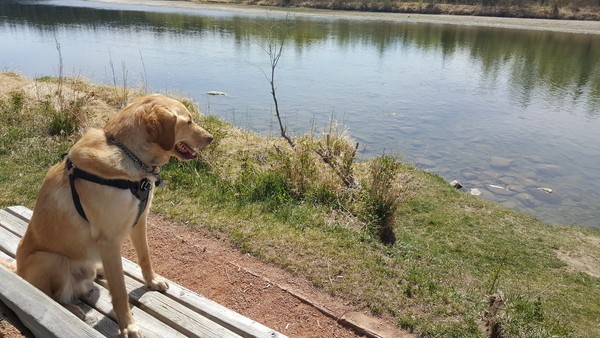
451,250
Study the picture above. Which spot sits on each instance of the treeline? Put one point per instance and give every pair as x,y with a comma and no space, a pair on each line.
549,9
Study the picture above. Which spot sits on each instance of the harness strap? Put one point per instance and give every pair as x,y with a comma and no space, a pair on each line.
141,190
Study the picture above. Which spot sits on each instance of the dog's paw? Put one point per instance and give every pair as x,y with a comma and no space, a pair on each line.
157,285
132,331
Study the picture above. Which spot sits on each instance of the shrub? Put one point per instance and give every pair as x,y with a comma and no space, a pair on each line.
61,122
384,193
17,101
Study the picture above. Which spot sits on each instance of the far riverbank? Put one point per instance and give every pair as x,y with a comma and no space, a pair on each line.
568,26
563,10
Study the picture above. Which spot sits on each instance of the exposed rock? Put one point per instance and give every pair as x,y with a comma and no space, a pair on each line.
456,184
216,93
498,162
546,197
499,190
475,192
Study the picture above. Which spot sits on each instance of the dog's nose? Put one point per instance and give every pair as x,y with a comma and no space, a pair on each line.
209,138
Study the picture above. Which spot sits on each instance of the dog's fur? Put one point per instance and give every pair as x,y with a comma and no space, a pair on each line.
60,252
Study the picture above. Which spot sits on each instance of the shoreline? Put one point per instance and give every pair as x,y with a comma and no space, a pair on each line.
565,26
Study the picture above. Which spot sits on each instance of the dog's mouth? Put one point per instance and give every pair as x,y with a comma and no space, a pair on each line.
185,151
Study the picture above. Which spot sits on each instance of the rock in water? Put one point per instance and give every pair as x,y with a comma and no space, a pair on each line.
498,162
550,170
216,93
456,184
499,190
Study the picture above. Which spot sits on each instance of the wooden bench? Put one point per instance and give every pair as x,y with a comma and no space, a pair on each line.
178,312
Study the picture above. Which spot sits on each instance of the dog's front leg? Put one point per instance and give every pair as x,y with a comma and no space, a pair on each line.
140,243
110,253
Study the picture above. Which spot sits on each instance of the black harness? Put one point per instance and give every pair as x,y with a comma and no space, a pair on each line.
140,189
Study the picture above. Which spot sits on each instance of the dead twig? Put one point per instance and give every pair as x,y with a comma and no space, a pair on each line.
228,277
344,170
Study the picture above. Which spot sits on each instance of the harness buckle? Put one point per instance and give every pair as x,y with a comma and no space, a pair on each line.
145,185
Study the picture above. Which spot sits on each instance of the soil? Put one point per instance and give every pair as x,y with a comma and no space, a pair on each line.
267,294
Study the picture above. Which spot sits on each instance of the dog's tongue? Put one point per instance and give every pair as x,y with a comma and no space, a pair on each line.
185,149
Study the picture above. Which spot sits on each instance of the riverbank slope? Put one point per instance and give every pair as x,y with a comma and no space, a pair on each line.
454,265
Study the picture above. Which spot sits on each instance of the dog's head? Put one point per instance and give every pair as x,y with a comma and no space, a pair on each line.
170,124
164,125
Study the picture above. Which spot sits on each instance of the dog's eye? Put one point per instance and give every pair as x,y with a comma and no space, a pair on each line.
190,122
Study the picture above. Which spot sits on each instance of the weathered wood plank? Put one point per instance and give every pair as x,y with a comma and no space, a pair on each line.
20,211
43,316
99,321
8,312
8,242
218,313
183,319
100,299
6,258
15,225
12,318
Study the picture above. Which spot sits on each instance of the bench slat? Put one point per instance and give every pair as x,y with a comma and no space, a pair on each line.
99,321
43,316
8,242
190,323
6,258
100,299
12,318
14,224
21,212
234,321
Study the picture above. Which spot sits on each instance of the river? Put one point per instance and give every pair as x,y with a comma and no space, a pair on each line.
504,111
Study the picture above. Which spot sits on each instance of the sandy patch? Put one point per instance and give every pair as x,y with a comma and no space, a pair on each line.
580,262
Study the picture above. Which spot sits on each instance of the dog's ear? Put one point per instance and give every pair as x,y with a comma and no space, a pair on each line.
160,125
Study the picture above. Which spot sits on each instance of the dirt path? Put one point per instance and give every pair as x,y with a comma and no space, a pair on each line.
257,290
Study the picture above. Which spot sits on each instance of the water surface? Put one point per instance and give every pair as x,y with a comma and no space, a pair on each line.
490,107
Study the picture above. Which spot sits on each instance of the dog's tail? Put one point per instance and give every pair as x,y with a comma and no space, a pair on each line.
10,266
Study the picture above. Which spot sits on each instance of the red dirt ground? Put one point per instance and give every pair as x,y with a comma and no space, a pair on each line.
267,294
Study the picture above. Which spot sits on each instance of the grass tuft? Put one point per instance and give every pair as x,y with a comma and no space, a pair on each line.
386,190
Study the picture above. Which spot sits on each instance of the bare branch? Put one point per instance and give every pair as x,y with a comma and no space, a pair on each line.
274,49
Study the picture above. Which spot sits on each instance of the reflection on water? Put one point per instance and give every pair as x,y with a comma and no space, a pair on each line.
490,107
